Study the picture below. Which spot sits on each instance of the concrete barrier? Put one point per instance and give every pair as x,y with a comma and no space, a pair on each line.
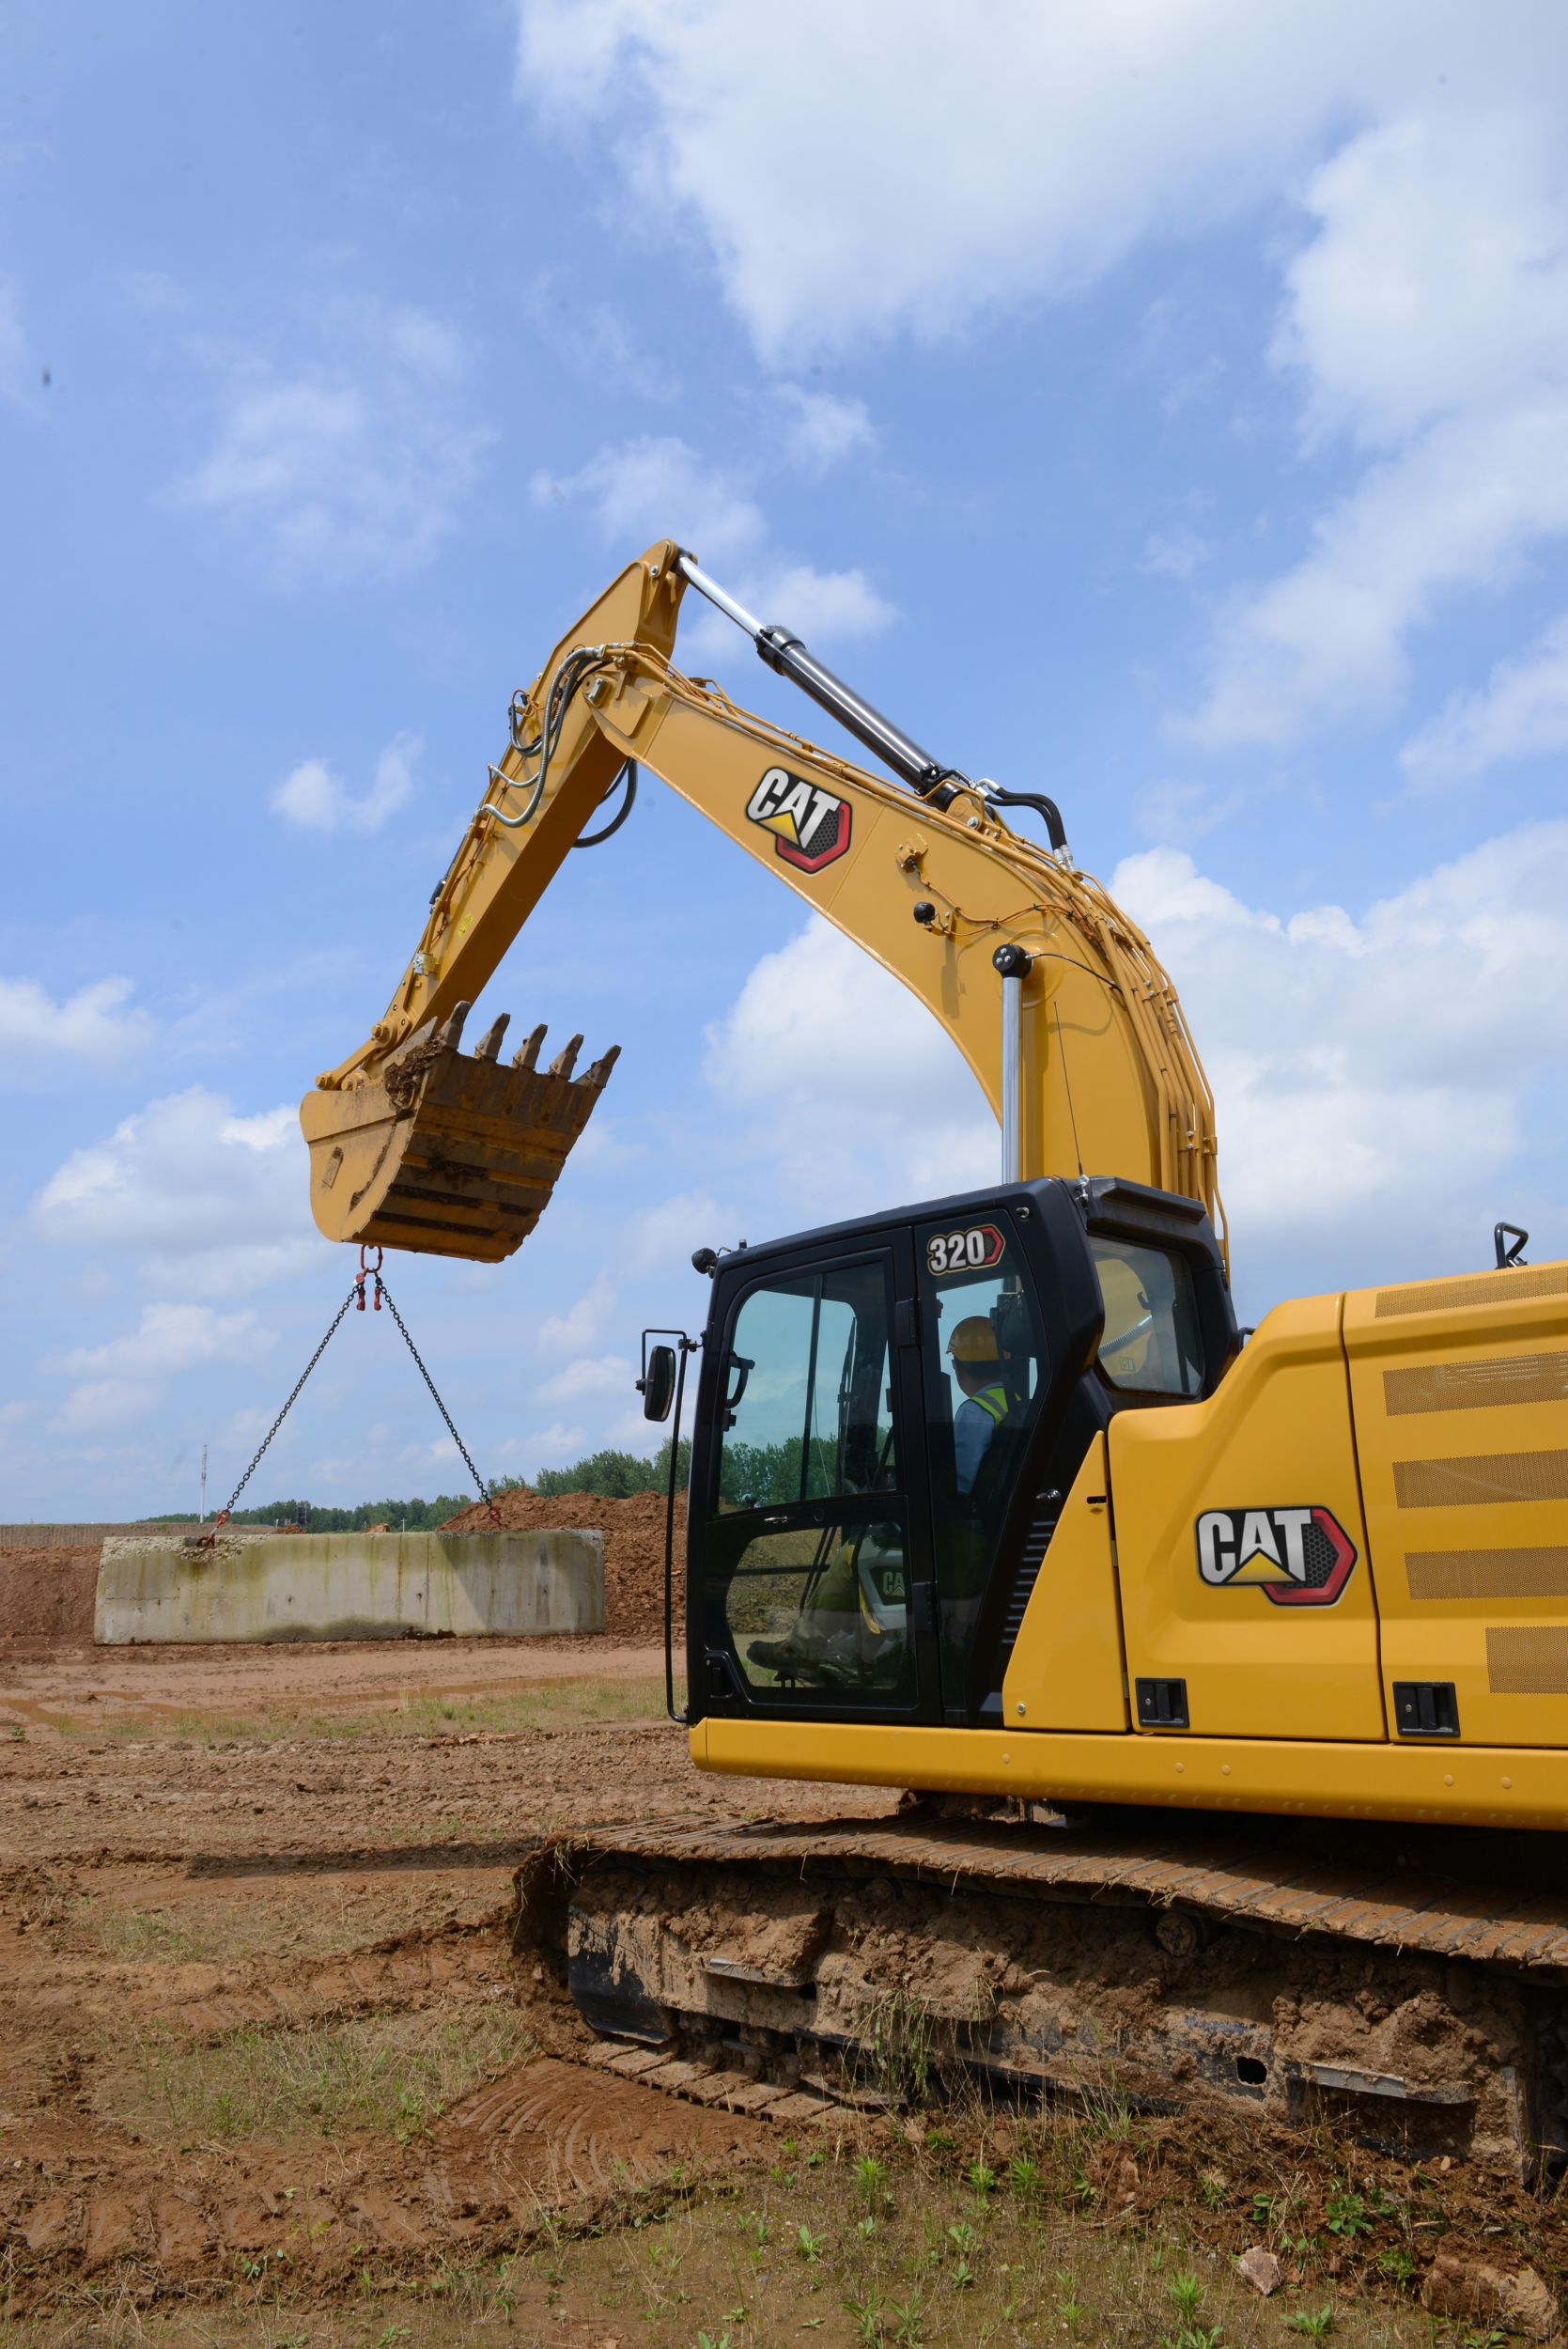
349,1586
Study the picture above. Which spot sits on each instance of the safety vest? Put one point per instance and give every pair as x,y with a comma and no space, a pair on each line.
993,1402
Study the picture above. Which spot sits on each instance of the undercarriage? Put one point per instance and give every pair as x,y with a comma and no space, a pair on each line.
1406,1986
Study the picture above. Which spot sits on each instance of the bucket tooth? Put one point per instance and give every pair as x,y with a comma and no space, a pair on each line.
451,1028
528,1051
565,1062
598,1074
489,1043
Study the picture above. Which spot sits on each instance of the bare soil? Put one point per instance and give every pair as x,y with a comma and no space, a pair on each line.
250,1909
47,1594
270,2073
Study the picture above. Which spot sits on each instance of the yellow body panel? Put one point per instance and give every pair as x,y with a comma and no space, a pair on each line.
1461,1399
1276,1434
1066,1671
1485,1786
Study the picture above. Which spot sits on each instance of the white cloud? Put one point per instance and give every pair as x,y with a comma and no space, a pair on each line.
856,1097
126,1377
545,1447
39,1035
576,1330
1428,318
936,167
659,488
203,1201
354,462
927,166
312,798
588,1379
1523,713
1380,1078
665,1235
169,1337
1172,554
826,429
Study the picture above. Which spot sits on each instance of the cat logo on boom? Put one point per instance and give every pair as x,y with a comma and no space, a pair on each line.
810,826
1296,1557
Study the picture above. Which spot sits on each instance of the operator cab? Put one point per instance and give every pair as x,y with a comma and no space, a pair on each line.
890,1413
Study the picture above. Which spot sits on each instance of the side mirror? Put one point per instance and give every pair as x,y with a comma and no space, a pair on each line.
657,1386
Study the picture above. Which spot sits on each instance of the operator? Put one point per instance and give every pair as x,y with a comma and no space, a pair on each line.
977,1367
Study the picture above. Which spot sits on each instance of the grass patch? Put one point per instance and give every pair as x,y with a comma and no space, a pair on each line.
387,2074
548,1704
138,1934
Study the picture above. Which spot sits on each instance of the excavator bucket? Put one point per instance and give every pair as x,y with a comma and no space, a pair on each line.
447,1152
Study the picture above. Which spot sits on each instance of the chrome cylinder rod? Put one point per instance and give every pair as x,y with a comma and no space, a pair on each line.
1014,965
786,654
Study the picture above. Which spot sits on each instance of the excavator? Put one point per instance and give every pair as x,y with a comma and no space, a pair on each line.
1222,1674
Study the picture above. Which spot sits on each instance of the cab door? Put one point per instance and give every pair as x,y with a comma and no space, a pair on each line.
812,1563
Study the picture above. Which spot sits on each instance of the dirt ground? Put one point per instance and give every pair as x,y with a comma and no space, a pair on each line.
269,2073
261,2017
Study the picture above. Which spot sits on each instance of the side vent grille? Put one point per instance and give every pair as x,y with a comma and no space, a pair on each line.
1477,1385
1528,1661
1487,1573
1484,1477
1042,1525
1472,1288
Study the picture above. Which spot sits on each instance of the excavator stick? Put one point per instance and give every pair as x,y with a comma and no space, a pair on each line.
450,1153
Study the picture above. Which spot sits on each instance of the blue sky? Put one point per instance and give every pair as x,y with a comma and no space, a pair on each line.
1164,406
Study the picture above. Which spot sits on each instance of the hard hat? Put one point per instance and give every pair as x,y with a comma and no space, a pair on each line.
975,1341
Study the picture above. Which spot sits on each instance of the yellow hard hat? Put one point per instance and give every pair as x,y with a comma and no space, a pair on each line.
975,1341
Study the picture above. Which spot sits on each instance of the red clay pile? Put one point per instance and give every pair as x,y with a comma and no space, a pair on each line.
47,1594
633,1533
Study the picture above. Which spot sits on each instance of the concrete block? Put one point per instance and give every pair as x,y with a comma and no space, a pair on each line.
349,1586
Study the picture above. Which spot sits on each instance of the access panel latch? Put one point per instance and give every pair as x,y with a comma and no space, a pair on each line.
1161,1704
1426,1708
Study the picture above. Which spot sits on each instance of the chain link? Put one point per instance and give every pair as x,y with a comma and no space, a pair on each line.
225,1514
356,1295
479,1484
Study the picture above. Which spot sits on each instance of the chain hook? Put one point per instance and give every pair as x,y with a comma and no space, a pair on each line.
367,1271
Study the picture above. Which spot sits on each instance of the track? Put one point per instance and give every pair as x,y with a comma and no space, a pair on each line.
1411,1988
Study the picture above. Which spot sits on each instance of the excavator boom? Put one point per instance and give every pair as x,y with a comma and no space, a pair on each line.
1053,997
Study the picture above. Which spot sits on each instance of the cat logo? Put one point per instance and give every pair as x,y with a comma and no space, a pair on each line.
1296,1557
810,826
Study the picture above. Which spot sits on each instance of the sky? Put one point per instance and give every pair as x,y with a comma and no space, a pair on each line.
1163,405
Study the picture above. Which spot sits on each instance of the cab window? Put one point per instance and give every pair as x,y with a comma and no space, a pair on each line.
1150,1344
806,1410
807,1548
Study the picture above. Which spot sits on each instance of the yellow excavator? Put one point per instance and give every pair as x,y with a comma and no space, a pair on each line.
1222,1680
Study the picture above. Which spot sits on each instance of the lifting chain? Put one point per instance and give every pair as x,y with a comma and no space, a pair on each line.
355,1297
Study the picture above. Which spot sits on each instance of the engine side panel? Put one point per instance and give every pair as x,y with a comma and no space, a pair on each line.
1460,1391
1240,1544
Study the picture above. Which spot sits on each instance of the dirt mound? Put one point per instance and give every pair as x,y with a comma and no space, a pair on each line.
633,1533
47,1594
